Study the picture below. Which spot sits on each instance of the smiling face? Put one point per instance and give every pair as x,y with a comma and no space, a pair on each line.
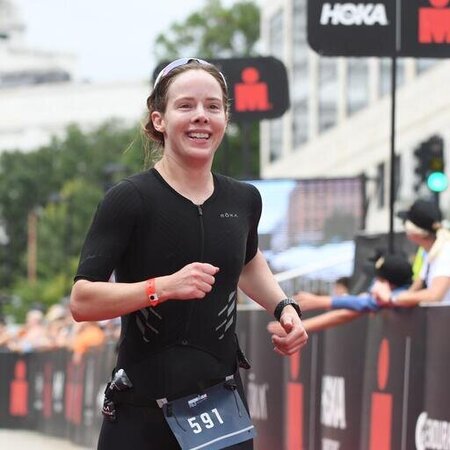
194,120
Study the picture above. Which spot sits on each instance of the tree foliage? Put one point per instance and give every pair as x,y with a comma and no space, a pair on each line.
63,181
213,32
219,32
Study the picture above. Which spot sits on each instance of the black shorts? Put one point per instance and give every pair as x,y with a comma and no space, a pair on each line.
145,428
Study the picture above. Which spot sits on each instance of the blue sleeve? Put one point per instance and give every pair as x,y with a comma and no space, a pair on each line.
363,303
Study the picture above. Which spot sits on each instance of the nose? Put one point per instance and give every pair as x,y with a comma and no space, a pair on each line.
200,114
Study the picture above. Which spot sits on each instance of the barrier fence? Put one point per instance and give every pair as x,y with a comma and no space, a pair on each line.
378,383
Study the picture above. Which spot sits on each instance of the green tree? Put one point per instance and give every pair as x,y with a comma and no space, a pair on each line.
62,183
213,32
220,32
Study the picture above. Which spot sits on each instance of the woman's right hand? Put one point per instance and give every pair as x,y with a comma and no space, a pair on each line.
381,292
193,281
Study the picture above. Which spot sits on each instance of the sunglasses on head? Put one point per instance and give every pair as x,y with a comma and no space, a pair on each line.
181,62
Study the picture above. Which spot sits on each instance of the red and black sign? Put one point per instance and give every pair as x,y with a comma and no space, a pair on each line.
258,87
413,28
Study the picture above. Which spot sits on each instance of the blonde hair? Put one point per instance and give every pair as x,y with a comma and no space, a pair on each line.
412,228
442,237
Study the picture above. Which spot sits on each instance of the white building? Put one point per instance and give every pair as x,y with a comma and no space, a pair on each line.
40,94
339,120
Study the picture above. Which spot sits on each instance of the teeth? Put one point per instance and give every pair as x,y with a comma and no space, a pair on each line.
199,135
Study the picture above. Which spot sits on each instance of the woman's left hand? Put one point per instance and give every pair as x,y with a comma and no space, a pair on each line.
288,335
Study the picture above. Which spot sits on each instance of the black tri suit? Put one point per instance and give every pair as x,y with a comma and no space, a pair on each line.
144,229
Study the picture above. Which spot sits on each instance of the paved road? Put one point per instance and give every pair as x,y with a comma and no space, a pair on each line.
30,440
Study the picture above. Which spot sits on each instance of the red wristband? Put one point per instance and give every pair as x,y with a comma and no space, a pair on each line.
150,290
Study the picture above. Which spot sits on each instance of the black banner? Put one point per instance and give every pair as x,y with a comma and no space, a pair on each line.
342,385
302,393
380,382
263,385
258,86
432,425
414,28
393,379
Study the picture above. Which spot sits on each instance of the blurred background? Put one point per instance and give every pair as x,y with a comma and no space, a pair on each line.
74,77
349,149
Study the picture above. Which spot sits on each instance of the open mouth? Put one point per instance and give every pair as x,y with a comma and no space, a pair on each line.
203,136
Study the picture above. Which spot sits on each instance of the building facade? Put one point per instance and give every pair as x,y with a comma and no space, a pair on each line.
339,122
40,94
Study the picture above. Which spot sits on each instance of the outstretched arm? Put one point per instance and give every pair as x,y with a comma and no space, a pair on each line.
320,322
308,301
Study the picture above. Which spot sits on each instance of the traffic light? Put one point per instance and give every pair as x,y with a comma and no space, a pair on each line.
430,164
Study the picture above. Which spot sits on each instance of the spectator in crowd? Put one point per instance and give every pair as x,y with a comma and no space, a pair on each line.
87,336
424,227
59,324
5,336
112,329
32,335
341,286
393,271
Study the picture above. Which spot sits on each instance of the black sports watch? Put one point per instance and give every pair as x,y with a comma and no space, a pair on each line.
287,301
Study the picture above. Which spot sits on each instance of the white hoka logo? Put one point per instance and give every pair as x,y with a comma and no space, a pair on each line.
332,408
348,14
432,434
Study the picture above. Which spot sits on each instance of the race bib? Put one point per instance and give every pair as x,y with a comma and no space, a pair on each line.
212,420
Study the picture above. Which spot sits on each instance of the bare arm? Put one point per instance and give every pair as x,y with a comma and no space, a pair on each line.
320,322
434,293
258,282
330,319
98,300
310,301
415,294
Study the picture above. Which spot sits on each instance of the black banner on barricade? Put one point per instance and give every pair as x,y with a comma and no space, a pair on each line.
432,425
36,365
342,385
86,381
74,392
302,375
47,378
394,378
15,376
89,423
264,387
54,382
99,365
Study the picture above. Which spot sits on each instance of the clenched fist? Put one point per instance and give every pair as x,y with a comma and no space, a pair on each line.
193,281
